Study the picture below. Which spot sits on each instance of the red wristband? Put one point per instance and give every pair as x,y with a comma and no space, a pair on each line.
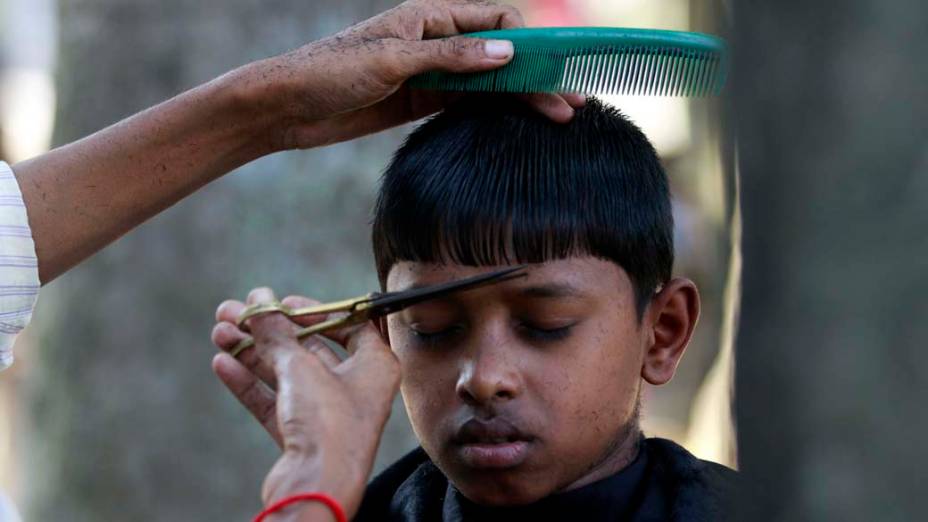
330,503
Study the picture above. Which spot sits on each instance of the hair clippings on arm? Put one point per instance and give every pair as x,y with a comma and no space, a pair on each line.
370,306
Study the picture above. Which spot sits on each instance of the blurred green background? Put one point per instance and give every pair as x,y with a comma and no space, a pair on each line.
111,412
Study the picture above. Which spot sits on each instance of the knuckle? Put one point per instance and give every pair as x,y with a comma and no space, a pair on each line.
390,367
410,28
395,375
251,360
216,335
267,411
272,335
455,47
297,427
318,349
252,396
390,61
392,364
392,64
513,12
299,301
269,322
305,360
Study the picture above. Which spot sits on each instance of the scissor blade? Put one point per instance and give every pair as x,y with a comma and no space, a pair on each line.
391,302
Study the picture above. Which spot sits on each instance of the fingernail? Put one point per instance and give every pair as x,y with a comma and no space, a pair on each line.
498,49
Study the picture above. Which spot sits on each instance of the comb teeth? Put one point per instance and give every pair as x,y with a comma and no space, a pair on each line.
614,69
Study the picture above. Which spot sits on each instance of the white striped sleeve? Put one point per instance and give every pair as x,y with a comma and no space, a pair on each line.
19,269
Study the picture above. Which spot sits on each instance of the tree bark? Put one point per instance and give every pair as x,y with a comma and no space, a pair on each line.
833,144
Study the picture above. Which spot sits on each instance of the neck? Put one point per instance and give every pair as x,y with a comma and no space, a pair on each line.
617,457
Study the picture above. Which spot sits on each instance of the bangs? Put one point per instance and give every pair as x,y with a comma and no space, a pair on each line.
493,184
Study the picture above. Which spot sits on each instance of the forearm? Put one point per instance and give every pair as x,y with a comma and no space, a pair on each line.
82,196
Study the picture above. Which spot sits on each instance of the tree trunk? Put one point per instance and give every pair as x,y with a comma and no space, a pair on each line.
833,146
130,423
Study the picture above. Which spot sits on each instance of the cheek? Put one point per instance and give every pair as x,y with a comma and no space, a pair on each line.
427,385
596,385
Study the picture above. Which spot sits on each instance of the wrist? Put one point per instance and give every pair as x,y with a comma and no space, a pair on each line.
256,99
301,511
297,473
274,99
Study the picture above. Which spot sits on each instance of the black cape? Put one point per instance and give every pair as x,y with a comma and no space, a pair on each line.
665,482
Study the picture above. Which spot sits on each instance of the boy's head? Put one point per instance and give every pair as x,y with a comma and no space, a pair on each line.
529,387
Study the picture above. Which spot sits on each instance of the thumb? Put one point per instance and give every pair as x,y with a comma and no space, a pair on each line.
456,54
372,357
365,342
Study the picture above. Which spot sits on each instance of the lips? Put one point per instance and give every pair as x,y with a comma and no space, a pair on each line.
492,444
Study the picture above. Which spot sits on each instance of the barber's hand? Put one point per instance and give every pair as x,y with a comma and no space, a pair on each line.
327,415
351,84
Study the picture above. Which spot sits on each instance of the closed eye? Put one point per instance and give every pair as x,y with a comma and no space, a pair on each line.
429,336
537,333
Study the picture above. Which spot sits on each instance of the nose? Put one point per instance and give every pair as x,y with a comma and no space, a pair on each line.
489,375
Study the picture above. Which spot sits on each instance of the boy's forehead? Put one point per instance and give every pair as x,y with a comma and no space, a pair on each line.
555,278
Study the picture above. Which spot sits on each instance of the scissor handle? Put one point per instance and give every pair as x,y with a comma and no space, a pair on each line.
361,309
346,305
258,309
357,316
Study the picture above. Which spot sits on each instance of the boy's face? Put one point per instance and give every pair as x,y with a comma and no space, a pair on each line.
524,388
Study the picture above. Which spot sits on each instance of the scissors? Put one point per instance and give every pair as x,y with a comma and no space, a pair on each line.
370,306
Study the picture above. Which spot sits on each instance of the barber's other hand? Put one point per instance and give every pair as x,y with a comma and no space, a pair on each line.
351,84
327,415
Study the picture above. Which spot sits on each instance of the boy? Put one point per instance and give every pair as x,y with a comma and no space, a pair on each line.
525,394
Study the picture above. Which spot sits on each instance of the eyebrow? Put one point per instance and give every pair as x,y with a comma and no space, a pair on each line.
550,291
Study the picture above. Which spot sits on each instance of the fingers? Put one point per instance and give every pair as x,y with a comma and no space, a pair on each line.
554,106
274,333
279,335
296,301
468,16
372,360
229,310
226,336
574,100
366,341
314,343
456,54
254,396
323,352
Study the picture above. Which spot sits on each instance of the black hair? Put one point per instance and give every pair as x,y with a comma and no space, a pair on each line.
490,181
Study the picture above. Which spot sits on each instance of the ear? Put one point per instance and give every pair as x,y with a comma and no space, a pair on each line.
671,317
381,324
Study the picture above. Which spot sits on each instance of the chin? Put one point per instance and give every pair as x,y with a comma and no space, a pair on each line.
499,491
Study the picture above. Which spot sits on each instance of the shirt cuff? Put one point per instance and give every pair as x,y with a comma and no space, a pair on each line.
19,268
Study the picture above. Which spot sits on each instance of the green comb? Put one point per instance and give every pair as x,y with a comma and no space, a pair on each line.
597,60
